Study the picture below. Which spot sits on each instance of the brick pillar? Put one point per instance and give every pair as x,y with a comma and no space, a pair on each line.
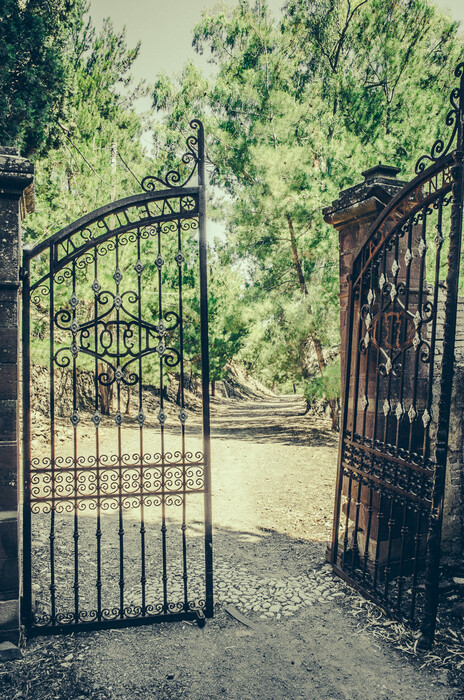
352,214
16,200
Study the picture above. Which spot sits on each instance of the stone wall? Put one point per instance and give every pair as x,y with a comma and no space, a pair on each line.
16,200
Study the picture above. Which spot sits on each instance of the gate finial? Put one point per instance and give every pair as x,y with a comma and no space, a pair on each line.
172,179
455,119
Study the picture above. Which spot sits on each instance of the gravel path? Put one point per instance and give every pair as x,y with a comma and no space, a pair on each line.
273,481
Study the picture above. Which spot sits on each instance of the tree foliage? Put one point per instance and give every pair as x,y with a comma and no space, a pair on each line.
87,167
33,70
99,132
295,111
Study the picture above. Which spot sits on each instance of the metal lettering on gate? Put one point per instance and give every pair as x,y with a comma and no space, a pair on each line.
117,493
397,389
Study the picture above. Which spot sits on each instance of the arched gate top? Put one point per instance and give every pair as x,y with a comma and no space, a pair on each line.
154,207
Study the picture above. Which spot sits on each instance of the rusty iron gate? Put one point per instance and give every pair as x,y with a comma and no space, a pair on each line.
403,292
117,496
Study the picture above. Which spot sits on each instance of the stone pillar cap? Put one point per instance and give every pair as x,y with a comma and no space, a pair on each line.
379,186
9,151
17,178
380,171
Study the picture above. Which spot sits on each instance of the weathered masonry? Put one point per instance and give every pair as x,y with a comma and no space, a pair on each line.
400,473
16,200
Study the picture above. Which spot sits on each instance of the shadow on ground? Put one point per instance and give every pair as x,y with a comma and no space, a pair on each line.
315,651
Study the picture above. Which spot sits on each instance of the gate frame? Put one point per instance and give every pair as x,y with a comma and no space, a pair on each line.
440,156
171,188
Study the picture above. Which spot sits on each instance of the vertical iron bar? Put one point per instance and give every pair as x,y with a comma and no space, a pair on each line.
404,333
143,578
380,513
205,371
343,427
377,384
353,429
374,443
391,519
121,481
26,357
163,455
182,404
349,498
419,306
417,534
404,528
404,357
357,370
98,533
439,243
370,511
417,539
52,438
76,489
367,356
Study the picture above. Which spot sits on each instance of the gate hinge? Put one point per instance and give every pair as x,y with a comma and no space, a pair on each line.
201,620
24,273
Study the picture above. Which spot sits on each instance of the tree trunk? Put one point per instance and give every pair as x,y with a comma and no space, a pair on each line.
105,391
213,388
299,271
334,405
296,259
319,354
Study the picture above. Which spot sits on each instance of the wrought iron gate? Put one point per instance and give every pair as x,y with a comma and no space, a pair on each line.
117,496
397,388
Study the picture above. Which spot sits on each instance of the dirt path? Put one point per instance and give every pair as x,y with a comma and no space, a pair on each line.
273,479
272,468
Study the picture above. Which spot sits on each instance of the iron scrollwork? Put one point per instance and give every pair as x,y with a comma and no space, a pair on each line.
106,333
100,337
399,357
454,119
173,177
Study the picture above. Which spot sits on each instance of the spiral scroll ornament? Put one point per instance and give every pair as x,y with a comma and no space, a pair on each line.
454,119
173,178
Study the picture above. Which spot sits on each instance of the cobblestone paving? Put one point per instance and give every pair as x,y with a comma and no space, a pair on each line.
275,597
268,597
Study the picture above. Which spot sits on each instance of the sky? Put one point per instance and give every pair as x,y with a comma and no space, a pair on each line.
165,29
